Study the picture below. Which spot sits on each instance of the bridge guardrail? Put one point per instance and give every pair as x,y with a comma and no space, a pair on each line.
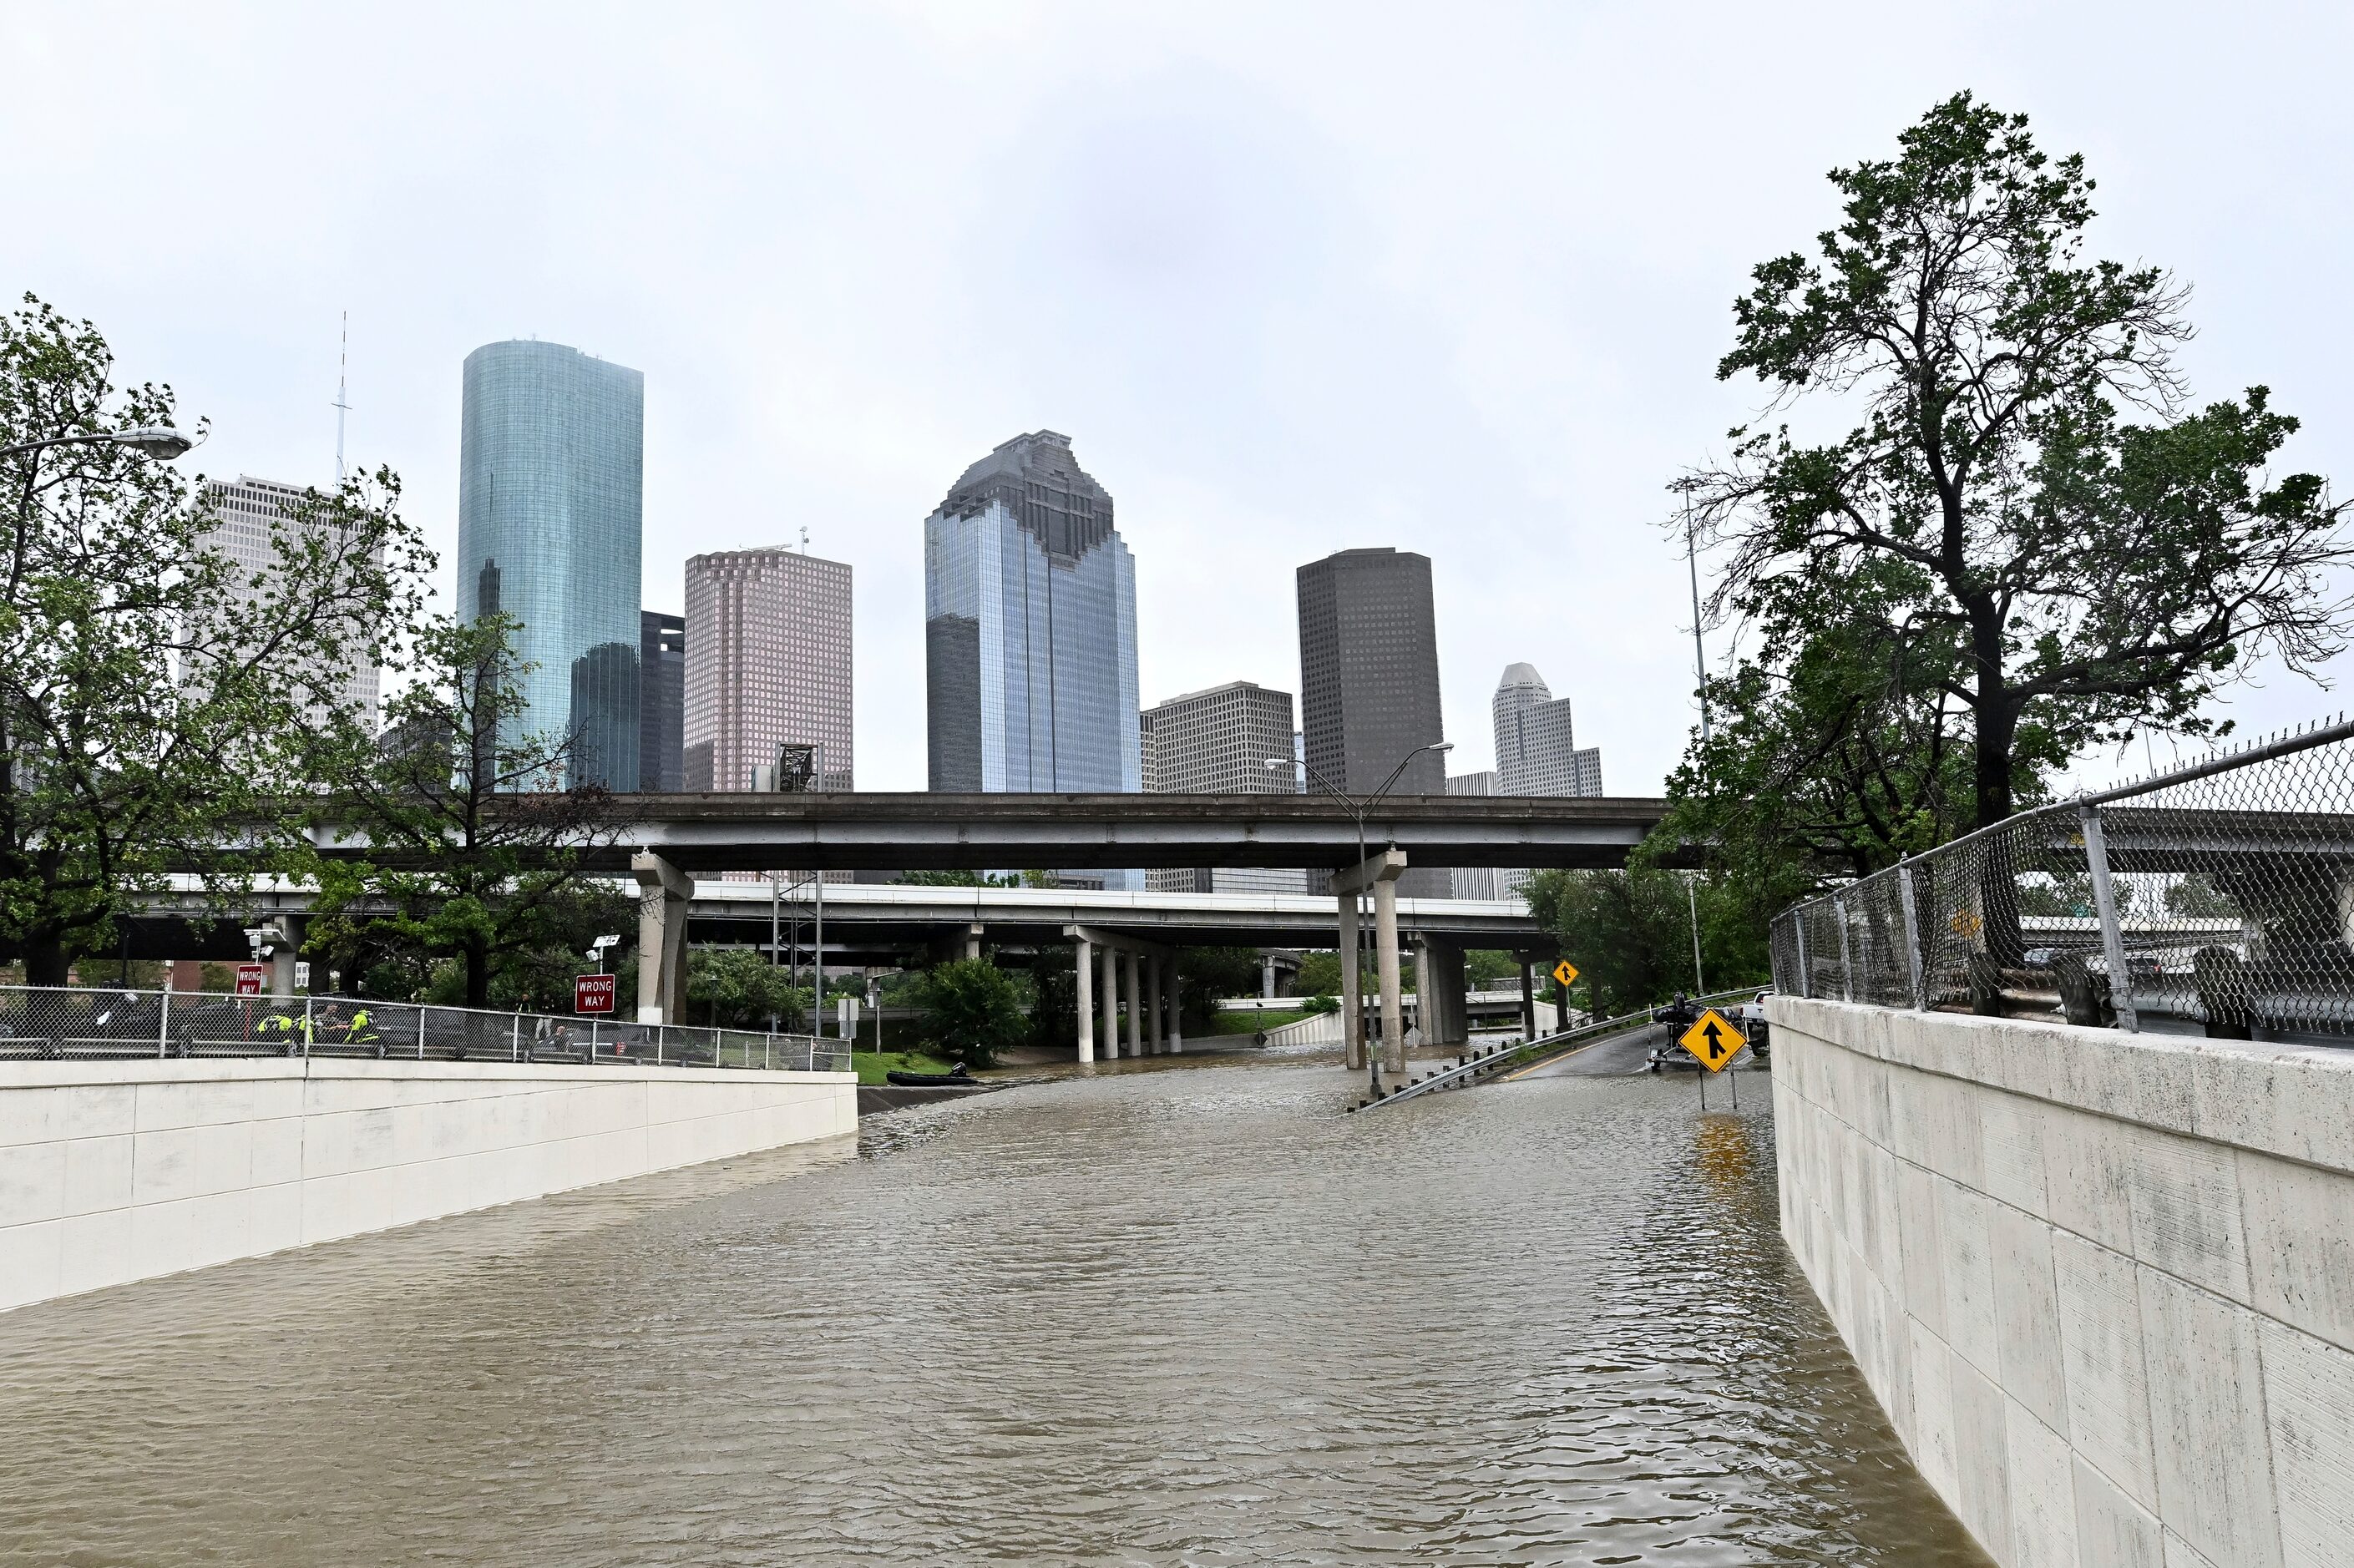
1475,1068
60,1023
2217,896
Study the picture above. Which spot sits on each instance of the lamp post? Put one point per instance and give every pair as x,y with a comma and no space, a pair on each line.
1359,810
158,441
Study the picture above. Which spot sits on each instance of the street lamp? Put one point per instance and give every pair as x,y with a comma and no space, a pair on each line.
158,441
1359,810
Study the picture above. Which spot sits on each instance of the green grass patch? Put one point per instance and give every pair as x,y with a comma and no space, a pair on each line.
872,1064
1252,1023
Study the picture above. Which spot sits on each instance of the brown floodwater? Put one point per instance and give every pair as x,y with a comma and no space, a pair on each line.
1188,1314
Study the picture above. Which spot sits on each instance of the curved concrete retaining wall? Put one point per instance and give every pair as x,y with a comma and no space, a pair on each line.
111,1171
2102,1283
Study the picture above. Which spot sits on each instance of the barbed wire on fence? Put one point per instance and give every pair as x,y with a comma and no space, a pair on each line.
58,1022
2215,897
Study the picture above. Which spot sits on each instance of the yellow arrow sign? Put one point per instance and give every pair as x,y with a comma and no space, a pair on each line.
1713,1040
1565,972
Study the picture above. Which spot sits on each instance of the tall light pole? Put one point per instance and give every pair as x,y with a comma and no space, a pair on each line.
1359,811
1700,678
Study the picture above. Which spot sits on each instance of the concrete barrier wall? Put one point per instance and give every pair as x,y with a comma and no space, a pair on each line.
2102,1283
111,1171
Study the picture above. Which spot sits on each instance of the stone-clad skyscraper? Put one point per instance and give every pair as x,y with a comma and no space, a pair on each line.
1369,679
1030,628
1536,749
551,456
767,664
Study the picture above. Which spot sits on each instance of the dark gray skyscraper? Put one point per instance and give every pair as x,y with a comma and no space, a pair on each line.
550,463
1369,678
661,700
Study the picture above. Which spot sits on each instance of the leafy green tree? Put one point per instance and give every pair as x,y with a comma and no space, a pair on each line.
2062,553
1630,933
159,702
461,836
735,988
972,1012
954,879
1207,976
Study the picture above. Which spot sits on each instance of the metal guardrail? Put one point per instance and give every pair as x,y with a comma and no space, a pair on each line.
2216,897
1477,1068
73,1023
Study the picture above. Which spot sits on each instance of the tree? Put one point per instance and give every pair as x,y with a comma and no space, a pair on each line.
1630,935
162,708
735,988
971,1012
476,840
2059,573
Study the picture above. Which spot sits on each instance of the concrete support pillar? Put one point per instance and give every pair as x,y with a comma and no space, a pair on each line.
1111,1001
663,893
972,939
1353,1007
1427,1021
1528,998
1176,1012
285,941
1135,1008
1385,963
1085,970
1154,1040
1267,976
1439,981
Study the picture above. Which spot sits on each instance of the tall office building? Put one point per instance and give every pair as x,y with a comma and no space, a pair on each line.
662,702
1536,749
1369,680
550,508
1030,628
1217,742
246,515
767,664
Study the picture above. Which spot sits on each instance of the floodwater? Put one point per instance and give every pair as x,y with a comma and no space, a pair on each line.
1181,1314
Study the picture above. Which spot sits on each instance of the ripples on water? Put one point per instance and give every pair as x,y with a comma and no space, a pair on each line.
1192,1316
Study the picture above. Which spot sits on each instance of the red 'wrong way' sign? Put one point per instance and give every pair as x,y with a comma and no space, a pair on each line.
592,993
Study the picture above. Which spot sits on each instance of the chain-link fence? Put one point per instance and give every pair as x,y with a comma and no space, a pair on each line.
44,1023
2216,899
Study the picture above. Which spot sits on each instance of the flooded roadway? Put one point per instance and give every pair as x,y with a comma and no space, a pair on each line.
1180,1314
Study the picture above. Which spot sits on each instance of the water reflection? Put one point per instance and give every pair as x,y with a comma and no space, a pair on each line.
1190,1316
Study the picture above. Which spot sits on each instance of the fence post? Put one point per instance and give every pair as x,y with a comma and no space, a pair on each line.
1912,933
1847,966
660,1030
163,1021
306,1028
2104,903
515,1040
420,1032
1806,976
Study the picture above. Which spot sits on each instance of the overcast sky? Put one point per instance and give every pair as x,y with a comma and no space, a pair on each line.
1293,278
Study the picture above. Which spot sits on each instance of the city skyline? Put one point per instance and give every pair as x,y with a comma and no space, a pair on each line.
1504,371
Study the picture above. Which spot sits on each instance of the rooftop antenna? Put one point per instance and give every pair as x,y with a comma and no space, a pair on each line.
343,367
804,538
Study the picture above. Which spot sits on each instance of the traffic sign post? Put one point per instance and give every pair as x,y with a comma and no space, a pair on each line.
1713,1041
593,993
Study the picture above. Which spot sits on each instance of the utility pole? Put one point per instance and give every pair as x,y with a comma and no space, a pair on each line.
1699,676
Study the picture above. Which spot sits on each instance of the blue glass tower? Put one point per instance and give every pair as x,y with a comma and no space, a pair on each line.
1030,628
551,456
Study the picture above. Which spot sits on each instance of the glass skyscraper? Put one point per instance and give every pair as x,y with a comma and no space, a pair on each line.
551,454
1030,630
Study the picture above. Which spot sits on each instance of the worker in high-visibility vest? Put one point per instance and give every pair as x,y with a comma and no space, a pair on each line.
289,1025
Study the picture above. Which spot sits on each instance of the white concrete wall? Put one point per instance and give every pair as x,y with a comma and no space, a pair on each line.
111,1171
2102,1283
